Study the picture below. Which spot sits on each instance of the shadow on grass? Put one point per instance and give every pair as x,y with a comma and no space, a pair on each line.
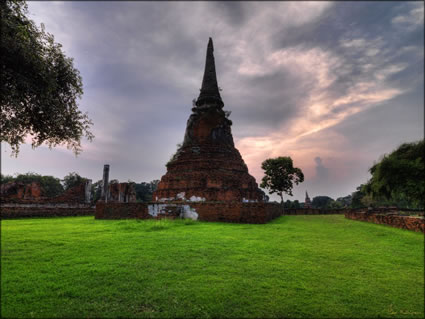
163,224
157,228
279,220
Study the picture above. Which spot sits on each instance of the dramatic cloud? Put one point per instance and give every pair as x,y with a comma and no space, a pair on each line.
334,85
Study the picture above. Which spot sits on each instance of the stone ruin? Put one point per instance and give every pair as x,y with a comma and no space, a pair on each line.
28,200
15,192
116,192
122,193
206,178
207,166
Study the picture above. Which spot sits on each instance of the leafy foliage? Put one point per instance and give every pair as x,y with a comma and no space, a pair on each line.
72,179
295,204
145,190
280,176
345,201
399,176
357,197
6,179
335,204
39,85
361,198
322,202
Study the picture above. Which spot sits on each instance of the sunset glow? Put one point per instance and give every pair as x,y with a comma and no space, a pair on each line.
330,86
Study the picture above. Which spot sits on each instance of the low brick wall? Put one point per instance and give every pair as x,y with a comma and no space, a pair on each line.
116,210
313,211
236,212
12,210
232,212
394,220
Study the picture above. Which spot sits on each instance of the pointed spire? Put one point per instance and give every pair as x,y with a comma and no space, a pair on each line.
209,90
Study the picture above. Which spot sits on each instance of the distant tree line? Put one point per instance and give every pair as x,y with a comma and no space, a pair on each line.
322,202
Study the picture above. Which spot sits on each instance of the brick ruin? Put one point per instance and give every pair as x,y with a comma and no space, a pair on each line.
206,178
231,212
14,192
116,192
27,200
121,193
208,167
390,217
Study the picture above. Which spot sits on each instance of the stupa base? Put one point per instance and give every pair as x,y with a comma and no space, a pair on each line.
230,212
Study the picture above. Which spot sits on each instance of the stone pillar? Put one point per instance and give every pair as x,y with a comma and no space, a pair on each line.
120,193
105,188
87,191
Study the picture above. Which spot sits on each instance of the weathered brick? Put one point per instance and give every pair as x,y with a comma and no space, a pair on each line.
232,212
389,218
208,166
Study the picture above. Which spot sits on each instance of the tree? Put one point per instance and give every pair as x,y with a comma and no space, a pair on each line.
295,204
39,85
322,202
357,197
287,204
345,201
363,198
6,179
72,179
145,190
400,175
280,176
335,204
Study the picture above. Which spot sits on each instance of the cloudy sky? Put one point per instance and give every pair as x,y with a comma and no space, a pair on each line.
333,85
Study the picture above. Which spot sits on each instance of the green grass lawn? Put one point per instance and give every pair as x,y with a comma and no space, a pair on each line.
295,266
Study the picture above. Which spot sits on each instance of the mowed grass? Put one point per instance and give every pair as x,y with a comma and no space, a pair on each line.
295,266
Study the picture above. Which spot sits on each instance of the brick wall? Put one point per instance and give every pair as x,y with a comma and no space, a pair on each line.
13,210
122,192
391,219
233,212
237,212
76,194
19,193
116,210
313,211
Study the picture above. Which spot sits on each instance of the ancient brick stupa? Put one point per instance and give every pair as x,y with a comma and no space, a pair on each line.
208,166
